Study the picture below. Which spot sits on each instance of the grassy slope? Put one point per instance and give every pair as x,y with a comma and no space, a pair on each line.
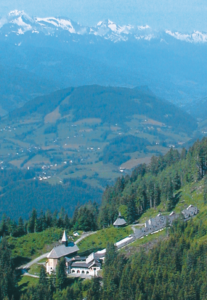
99,240
34,244
25,282
189,194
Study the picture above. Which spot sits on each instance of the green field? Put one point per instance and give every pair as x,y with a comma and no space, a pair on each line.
25,282
100,240
33,244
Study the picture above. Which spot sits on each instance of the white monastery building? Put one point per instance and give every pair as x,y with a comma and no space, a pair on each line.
67,249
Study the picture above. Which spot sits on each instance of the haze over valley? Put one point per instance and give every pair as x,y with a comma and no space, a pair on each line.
87,104
41,55
103,150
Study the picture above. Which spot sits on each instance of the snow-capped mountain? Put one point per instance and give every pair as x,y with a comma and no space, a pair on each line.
41,55
18,22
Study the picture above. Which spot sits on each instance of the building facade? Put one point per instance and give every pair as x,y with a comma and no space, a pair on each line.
66,250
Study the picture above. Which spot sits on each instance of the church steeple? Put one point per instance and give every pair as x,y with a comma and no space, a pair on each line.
64,238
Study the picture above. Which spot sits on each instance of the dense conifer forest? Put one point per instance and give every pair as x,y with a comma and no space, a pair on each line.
19,188
173,269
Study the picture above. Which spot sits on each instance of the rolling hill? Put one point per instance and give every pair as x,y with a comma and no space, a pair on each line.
91,133
59,53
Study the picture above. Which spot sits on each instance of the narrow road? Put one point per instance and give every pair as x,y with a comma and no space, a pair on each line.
25,273
84,236
34,261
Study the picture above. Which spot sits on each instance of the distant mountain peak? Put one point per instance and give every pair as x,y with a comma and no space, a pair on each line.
16,12
18,22
144,27
195,37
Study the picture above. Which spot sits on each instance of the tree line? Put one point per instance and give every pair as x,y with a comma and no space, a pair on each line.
150,185
175,269
147,187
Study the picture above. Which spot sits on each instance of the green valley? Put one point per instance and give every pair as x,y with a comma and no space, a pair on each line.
91,133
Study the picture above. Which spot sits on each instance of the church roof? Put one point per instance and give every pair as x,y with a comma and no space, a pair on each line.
64,238
120,221
63,250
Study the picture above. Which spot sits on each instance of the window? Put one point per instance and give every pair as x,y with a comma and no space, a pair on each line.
83,272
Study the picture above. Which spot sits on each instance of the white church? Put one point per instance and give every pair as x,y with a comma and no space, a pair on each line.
75,264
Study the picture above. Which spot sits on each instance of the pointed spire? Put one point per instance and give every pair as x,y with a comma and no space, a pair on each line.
64,238
120,215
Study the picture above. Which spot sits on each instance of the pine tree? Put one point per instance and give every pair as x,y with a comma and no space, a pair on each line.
43,277
7,276
60,274
156,195
170,198
32,221
20,229
94,293
205,190
177,182
109,286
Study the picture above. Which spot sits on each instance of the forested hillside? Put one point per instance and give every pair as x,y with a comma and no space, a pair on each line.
110,104
154,185
78,140
20,188
173,269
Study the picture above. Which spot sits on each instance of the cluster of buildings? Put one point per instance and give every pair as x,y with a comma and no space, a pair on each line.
92,264
75,264
161,221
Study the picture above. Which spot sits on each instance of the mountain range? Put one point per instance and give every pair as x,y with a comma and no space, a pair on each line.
42,55
91,133
18,22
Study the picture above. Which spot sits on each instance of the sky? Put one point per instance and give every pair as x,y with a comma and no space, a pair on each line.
182,15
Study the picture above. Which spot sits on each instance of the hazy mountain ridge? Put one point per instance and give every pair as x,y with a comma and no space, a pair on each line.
59,53
89,135
19,22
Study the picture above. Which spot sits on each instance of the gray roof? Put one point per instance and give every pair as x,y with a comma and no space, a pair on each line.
80,264
83,264
119,222
63,250
99,256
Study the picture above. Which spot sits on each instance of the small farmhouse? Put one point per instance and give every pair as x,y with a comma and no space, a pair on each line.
120,222
67,250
